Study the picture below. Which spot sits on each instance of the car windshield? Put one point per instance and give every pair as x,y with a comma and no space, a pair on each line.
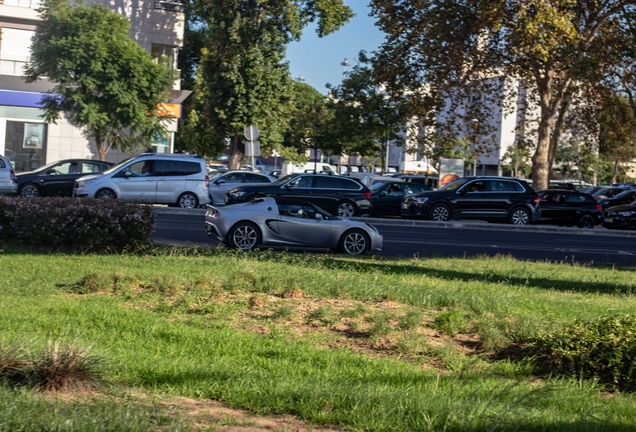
455,184
116,166
623,194
216,175
283,180
49,165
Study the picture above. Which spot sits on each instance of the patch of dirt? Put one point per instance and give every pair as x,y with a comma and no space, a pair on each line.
224,419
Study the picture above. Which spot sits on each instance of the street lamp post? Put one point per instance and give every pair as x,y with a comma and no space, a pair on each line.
473,147
344,64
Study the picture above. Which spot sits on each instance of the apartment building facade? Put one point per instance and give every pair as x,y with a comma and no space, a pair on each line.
25,138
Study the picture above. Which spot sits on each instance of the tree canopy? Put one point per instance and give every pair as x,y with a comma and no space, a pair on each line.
104,81
242,73
445,50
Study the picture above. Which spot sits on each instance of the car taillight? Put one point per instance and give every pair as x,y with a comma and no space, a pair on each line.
367,195
598,206
207,181
12,175
537,199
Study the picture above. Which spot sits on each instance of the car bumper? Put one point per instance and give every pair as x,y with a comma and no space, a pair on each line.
619,223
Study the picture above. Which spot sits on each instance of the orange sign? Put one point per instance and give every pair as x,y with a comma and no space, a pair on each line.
169,110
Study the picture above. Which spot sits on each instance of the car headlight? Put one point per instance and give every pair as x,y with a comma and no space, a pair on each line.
420,200
627,213
85,182
237,194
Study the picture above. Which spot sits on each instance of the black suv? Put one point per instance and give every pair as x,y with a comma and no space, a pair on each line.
338,195
493,199
565,207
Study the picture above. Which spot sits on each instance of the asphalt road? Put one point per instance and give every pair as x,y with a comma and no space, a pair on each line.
452,239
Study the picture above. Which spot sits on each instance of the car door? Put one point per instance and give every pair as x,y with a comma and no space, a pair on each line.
171,180
389,198
59,179
554,206
301,187
471,201
134,184
223,183
298,224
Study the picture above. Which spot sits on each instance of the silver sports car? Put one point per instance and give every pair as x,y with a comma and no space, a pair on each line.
288,222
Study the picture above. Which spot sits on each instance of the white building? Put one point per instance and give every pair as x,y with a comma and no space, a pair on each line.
25,138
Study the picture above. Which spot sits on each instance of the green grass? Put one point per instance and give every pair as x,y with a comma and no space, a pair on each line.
182,322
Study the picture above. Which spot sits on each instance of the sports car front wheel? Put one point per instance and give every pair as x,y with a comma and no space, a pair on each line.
245,236
354,242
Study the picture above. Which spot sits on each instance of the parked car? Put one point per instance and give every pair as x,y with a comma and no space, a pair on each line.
342,196
57,178
159,178
493,199
623,216
429,180
609,192
592,189
8,185
569,208
286,221
623,198
387,196
223,182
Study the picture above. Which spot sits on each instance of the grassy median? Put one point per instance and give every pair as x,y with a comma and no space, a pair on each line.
366,343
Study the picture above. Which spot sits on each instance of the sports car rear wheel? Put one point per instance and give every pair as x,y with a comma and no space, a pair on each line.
245,236
354,242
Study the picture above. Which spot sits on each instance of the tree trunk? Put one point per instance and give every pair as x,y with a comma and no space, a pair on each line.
98,144
237,151
615,176
541,157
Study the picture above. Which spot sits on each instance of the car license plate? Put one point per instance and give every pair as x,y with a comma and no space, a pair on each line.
609,219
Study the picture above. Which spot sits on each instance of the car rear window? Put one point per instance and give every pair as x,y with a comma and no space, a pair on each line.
255,178
505,186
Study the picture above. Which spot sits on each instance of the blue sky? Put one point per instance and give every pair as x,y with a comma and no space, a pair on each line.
318,59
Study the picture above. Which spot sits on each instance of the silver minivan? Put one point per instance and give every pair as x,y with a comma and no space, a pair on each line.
179,180
8,185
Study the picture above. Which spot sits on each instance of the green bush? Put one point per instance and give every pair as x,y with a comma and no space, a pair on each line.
451,322
87,224
604,348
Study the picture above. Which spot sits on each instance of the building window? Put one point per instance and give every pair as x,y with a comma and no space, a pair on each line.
163,54
169,5
25,145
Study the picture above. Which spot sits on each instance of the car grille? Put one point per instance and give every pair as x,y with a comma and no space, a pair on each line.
610,214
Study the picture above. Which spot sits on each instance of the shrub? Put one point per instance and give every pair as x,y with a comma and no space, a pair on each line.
56,368
604,348
451,322
87,224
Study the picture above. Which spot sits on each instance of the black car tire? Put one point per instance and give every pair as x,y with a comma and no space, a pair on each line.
440,213
244,236
586,221
346,209
105,193
354,242
519,216
188,200
29,190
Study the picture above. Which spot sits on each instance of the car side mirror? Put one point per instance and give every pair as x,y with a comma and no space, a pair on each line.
219,182
50,171
461,192
318,216
128,174
383,194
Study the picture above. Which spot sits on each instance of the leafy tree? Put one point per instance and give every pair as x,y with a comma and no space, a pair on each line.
243,69
104,81
368,116
446,50
309,126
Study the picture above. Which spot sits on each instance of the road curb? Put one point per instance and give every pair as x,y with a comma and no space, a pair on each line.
598,231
